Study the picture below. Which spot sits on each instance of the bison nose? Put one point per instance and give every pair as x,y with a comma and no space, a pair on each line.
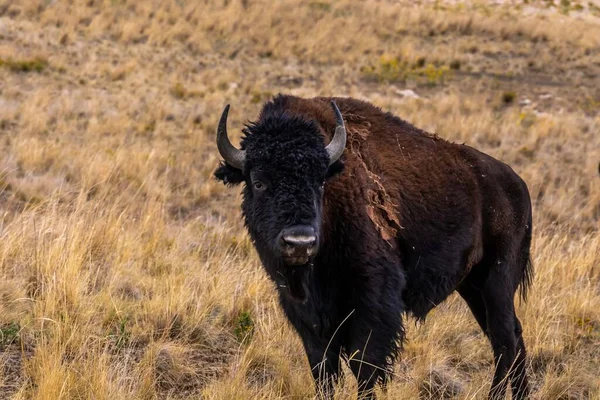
298,240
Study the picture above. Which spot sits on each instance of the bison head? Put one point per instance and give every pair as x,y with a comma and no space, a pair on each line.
284,164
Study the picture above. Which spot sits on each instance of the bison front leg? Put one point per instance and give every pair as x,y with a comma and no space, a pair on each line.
324,361
373,349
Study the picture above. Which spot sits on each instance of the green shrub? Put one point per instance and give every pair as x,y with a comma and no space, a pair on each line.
33,65
9,333
394,69
244,327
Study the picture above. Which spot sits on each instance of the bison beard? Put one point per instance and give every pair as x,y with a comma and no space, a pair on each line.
394,220
296,279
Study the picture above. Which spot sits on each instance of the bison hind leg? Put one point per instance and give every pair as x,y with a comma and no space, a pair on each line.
489,291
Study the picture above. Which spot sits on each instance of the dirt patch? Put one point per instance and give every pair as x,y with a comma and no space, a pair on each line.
11,359
183,371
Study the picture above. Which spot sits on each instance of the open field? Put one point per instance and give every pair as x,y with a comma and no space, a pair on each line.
125,270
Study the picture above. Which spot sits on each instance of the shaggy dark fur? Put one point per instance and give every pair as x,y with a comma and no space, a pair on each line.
402,220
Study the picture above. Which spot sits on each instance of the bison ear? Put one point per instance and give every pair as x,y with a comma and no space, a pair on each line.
229,175
335,169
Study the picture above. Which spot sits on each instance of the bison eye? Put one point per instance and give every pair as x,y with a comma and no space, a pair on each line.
258,185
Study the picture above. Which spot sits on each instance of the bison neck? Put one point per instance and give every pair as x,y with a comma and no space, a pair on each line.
312,298
296,280
301,283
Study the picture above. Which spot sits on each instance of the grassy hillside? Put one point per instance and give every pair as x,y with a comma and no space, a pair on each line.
125,270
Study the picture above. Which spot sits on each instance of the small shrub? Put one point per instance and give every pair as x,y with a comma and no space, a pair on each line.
223,85
591,105
320,5
509,97
387,69
244,327
9,333
150,126
33,65
526,119
588,327
257,96
119,335
394,69
420,62
593,8
434,74
527,152
178,91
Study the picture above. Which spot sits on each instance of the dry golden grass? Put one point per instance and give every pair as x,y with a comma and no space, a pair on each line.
125,271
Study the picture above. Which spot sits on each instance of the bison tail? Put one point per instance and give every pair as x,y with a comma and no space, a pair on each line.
526,264
526,279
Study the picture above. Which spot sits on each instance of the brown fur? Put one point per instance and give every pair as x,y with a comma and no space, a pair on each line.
410,219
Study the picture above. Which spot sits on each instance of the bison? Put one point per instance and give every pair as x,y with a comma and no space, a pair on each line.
358,217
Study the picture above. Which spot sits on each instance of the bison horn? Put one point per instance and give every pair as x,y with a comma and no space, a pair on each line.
230,154
336,147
